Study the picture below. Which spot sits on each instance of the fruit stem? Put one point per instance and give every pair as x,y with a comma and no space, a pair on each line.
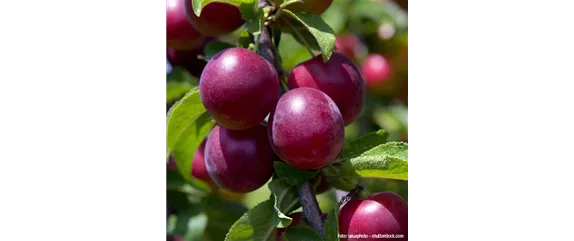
307,199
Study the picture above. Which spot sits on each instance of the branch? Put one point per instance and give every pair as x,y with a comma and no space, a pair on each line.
267,50
311,209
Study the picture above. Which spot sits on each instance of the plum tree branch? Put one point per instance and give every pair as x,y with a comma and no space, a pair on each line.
307,198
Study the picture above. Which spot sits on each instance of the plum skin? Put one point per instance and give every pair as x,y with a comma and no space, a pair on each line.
238,88
180,34
306,129
339,78
239,160
376,70
216,18
382,213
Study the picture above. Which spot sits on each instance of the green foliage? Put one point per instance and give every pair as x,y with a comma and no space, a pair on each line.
389,160
332,225
214,47
187,125
364,143
189,224
258,224
201,214
302,233
221,216
322,33
245,39
285,196
291,175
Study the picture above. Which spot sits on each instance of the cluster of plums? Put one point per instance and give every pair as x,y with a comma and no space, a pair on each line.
257,125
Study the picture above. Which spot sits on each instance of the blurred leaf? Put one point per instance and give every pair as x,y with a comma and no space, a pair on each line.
214,47
388,11
336,16
221,216
292,175
286,195
389,160
364,143
256,25
343,183
175,182
175,90
337,179
332,225
248,9
190,223
323,34
292,53
180,75
302,233
259,223
245,38
187,125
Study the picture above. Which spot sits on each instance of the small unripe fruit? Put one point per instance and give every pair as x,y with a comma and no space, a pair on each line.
311,6
383,213
376,70
216,18
339,78
238,88
180,33
239,160
306,129
348,44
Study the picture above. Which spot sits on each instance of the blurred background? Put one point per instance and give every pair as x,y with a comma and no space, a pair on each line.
374,33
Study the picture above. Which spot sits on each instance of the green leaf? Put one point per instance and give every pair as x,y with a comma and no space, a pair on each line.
214,47
190,224
364,143
179,74
258,224
332,225
175,182
302,233
187,125
175,90
389,160
291,175
286,199
248,9
221,216
339,179
321,31
245,39
256,25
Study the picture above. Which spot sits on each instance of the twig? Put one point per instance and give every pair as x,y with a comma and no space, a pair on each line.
311,209
307,199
